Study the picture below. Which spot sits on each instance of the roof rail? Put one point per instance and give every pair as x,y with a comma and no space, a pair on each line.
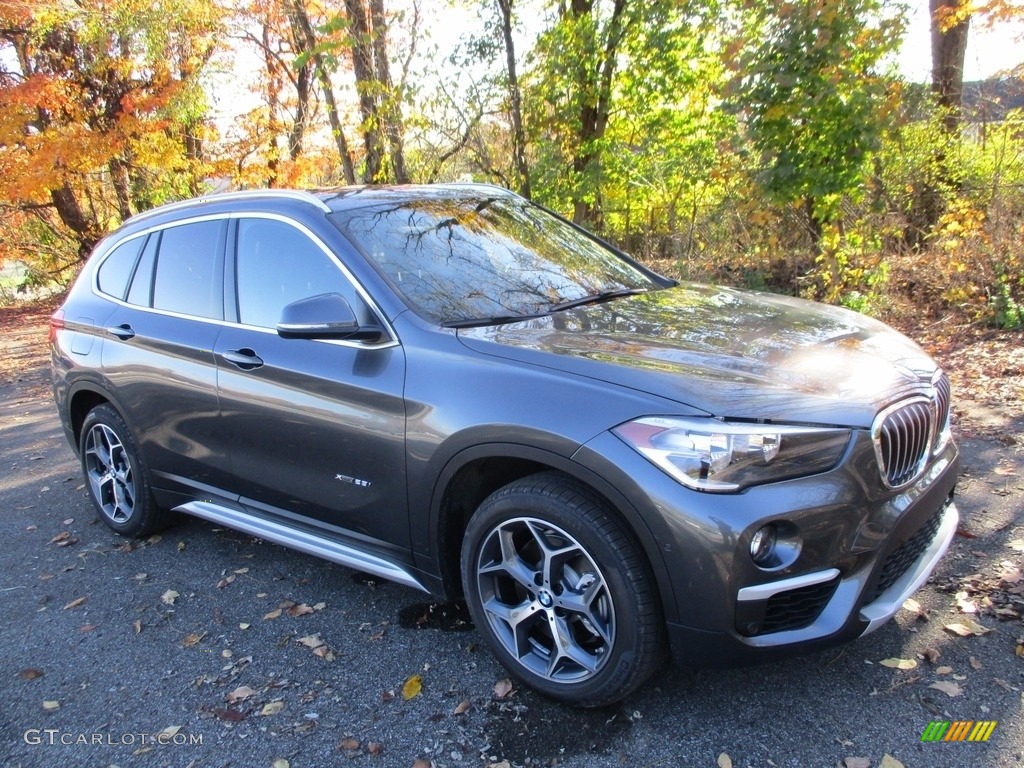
242,194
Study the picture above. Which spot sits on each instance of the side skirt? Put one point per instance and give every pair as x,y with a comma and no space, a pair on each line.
303,541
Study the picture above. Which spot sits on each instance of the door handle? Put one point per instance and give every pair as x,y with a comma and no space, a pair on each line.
123,331
244,358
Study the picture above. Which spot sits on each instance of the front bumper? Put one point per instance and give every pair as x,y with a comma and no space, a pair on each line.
863,552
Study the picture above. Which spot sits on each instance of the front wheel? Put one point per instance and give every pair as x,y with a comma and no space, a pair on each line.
115,476
560,592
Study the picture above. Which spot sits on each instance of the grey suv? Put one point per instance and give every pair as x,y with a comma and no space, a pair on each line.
453,388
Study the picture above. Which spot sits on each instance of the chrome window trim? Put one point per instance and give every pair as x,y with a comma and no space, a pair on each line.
392,341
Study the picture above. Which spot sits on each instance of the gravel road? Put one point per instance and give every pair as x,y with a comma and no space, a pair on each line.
206,647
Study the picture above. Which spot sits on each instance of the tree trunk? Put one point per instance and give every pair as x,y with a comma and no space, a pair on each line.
306,43
391,113
122,186
596,108
515,101
72,216
949,47
367,87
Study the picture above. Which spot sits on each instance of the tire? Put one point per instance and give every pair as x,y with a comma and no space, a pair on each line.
115,476
543,558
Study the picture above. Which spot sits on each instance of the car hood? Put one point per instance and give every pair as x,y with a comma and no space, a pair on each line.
727,352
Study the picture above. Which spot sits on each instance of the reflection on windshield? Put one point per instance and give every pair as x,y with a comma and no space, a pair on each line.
461,256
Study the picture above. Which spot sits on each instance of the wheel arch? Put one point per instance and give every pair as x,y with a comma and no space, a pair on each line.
476,472
82,399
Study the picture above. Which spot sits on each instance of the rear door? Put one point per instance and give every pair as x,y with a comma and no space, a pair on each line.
158,355
316,428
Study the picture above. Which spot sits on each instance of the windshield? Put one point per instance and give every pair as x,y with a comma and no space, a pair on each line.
463,257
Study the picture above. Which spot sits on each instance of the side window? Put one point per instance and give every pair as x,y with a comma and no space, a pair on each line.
187,277
116,269
141,292
276,265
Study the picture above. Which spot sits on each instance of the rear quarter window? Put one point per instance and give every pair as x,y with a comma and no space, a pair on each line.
116,270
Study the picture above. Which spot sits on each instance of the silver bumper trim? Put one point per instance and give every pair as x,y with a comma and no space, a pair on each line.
890,601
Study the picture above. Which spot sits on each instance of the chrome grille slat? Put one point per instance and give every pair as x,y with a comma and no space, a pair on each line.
905,435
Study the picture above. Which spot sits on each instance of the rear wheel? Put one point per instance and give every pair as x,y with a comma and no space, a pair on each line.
560,591
115,476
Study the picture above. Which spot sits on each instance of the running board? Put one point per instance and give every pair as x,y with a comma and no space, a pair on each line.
303,541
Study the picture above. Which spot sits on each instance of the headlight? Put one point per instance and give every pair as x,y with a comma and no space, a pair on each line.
711,455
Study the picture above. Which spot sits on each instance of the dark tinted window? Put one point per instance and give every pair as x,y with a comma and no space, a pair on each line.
186,270
116,269
141,292
278,264
461,256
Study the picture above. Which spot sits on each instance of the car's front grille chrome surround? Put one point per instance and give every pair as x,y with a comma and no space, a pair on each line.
907,434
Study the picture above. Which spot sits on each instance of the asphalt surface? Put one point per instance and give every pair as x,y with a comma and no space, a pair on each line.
99,658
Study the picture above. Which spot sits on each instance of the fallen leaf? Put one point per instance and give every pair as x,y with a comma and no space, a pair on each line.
910,604
49,706
272,708
502,689
30,674
387,696
241,693
273,614
419,762
280,763
298,610
228,715
1017,544
931,655
137,626
967,628
976,664
192,639
169,597
463,707
888,761
898,663
87,628
181,546
319,606
311,641
350,745
154,539
140,576
1004,471
943,670
243,625
724,761
374,748
224,582
950,689
412,687
856,762
75,603
325,653
241,570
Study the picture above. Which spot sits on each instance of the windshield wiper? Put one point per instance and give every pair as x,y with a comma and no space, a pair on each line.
596,298
476,322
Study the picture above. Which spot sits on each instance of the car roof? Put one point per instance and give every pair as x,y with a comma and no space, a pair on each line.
326,200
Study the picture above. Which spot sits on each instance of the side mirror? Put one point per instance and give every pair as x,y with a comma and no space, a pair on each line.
326,316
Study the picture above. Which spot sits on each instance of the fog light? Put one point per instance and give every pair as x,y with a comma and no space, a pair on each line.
762,545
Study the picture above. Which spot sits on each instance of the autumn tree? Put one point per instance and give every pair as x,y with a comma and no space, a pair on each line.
810,89
101,114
